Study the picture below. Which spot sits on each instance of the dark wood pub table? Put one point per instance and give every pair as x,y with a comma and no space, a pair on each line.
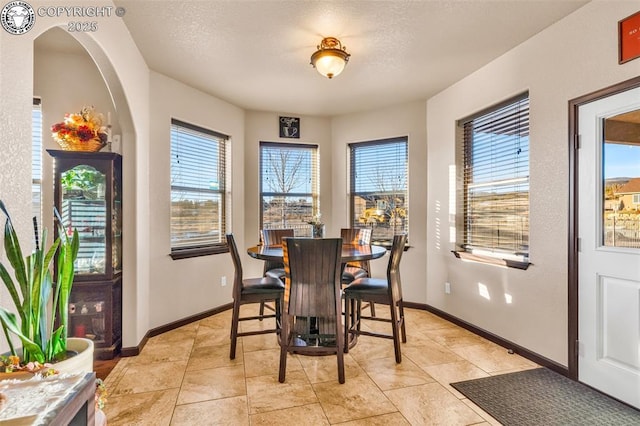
350,252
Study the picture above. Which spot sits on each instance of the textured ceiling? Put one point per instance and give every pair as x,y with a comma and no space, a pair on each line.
255,54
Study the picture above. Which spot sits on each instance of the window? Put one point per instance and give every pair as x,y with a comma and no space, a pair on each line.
200,202
495,182
36,160
288,186
378,188
636,198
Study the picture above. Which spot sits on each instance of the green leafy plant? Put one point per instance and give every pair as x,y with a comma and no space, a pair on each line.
39,303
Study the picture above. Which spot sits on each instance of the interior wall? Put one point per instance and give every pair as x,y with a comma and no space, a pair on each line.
576,56
399,120
122,66
65,82
188,286
264,127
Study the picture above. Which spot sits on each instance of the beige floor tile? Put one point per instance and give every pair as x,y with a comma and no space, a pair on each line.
255,325
260,363
325,368
260,342
265,393
432,404
368,347
187,372
149,408
150,377
451,337
388,374
215,383
221,320
212,336
393,419
227,411
358,398
455,372
429,353
492,358
205,357
159,351
310,415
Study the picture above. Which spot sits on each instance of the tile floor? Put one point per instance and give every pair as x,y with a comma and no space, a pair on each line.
185,377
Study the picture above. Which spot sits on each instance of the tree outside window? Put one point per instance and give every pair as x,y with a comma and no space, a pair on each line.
288,186
378,182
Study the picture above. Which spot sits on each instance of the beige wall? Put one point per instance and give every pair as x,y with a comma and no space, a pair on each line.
576,56
126,74
400,120
262,126
181,288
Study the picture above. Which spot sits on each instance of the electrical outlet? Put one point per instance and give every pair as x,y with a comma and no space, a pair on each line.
447,288
223,281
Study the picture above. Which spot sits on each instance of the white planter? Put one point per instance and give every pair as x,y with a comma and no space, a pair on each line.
81,363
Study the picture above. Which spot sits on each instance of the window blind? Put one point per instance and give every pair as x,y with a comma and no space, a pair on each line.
378,187
36,159
289,186
198,187
496,180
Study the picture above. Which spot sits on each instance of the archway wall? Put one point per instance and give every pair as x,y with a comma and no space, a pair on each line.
127,77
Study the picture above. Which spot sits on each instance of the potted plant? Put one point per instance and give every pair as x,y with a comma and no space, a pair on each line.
41,304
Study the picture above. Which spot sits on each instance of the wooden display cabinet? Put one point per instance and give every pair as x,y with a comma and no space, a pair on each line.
88,195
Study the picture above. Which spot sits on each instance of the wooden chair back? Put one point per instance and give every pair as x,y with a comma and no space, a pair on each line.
312,311
272,237
393,267
237,265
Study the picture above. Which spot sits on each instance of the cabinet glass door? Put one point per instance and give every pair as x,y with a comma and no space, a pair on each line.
84,208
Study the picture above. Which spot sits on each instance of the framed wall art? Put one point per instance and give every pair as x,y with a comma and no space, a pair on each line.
629,38
290,127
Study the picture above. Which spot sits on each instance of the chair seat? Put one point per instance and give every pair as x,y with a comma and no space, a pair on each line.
367,285
352,273
261,285
276,273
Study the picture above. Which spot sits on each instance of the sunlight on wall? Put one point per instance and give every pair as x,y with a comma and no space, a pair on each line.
452,203
508,298
438,226
483,291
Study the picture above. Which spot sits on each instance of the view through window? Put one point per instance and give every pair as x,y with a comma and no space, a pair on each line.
621,189
198,190
378,187
496,181
289,187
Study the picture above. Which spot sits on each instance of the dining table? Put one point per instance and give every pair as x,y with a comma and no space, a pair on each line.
350,252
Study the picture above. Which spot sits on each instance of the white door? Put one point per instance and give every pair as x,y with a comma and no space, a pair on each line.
609,248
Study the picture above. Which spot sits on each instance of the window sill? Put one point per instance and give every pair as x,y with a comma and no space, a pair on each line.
187,253
488,260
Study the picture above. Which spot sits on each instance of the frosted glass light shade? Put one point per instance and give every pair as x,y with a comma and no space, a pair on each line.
330,58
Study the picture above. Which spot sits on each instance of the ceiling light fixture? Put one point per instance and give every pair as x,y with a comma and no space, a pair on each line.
330,58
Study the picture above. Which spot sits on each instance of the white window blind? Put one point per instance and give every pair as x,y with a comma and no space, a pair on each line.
496,181
198,190
379,196
36,160
289,186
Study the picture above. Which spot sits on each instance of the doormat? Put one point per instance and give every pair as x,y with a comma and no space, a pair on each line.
543,397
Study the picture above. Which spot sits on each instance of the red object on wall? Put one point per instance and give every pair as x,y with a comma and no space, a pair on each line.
79,330
629,38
